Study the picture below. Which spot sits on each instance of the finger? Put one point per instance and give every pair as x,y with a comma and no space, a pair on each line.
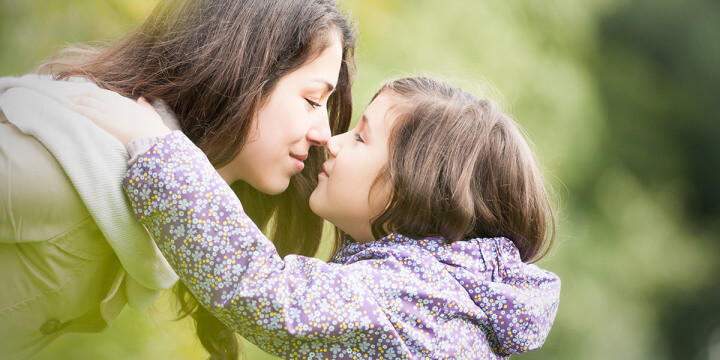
108,98
104,94
87,100
144,103
89,112
96,95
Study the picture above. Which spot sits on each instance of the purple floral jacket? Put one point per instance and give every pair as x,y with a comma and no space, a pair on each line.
393,298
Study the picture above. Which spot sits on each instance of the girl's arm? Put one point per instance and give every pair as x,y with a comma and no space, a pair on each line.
291,306
286,306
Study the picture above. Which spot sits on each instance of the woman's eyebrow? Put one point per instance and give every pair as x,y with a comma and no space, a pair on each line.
330,87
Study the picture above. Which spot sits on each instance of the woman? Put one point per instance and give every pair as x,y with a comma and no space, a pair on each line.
253,84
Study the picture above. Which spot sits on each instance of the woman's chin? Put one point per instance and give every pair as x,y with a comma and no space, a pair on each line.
272,187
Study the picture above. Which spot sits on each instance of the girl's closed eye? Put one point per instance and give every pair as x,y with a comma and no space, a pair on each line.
312,103
359,137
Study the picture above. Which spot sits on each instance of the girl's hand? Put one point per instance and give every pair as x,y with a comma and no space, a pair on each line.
123,118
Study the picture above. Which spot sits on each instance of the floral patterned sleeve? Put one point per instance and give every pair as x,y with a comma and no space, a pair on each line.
234,270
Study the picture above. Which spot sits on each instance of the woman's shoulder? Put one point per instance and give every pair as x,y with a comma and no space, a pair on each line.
35,187
47,84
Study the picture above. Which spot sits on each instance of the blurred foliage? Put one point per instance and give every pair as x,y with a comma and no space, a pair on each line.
619,99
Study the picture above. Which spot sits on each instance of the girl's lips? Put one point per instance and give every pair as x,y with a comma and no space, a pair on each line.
324,172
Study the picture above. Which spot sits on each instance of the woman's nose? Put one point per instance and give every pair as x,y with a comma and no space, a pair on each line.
319,134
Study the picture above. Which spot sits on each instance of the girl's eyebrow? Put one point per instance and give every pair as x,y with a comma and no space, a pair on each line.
365,125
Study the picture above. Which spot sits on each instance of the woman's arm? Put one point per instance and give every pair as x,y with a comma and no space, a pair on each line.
296,304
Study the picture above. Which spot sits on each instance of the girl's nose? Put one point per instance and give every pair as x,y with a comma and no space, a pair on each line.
333,145
319,134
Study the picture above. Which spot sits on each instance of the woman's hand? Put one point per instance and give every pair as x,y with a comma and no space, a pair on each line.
123,118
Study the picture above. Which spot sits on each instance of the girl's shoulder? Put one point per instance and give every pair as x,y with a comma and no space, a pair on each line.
392,245
490,259
477,254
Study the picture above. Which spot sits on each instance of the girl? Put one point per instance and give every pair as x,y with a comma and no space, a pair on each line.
257,85
442,205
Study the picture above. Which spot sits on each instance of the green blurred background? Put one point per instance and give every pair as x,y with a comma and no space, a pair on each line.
620,100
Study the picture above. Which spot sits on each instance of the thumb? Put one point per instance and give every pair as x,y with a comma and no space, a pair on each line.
142,101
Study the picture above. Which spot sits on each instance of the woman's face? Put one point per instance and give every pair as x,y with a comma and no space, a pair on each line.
292,119
345,194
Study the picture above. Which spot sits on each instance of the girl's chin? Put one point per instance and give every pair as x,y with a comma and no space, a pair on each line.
312,201
316,205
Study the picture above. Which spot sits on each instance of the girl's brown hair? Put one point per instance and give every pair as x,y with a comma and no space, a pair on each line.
214,63
460,168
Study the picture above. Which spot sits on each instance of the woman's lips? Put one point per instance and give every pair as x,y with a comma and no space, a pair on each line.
298,161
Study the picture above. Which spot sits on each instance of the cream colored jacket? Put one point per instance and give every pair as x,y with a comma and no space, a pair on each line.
71,253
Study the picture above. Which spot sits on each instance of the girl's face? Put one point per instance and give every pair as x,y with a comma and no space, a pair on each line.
292,119
343,195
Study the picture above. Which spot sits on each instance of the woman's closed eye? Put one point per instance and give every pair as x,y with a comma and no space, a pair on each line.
312,103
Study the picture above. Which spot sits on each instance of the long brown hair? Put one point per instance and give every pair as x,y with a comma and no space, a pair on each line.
214,62
460,168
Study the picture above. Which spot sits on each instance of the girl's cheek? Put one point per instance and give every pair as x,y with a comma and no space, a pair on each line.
379,197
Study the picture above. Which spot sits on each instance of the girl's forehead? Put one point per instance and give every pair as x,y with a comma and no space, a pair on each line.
384,109
382,105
